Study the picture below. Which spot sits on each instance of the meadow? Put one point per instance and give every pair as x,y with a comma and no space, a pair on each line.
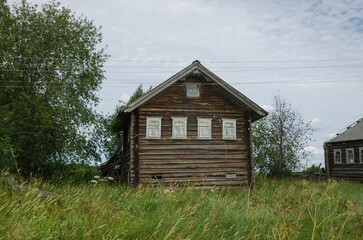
276,209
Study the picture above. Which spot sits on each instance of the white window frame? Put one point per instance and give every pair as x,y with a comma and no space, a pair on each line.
189,90
234,121
346,155
209,122
340,153
361,155
148,120
185,120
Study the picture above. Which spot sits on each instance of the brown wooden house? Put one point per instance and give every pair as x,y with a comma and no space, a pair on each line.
344,154
194,128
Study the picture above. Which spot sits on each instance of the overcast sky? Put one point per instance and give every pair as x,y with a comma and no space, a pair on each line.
309,51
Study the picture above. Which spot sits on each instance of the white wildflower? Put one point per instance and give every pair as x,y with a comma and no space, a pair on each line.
110,178
96,177
94,181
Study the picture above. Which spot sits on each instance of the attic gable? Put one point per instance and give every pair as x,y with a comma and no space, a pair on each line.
197,70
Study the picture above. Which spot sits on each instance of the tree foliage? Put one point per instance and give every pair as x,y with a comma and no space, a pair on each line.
279,140
50,71
112,124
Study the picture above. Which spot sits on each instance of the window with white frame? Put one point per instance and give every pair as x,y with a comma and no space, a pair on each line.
205,128
192,90
337,156
229,128
361,155
153,127
179,127
349,155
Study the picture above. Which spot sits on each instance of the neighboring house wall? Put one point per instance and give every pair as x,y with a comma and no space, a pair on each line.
344,170
199,161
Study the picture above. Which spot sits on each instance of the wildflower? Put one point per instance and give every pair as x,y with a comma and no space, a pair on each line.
96,177
93,181
110,178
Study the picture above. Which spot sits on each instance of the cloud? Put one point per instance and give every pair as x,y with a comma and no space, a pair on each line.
316,124
268,108
314,150
125,97
330,136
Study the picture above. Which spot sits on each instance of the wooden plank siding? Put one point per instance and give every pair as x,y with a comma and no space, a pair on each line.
346,171
200,162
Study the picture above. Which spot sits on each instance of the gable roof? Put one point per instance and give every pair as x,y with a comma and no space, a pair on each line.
352,133
197,68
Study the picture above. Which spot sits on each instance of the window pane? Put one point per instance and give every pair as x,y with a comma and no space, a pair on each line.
153,128
179,128
192,91
204,128
229,129
350,156
229,125
337,156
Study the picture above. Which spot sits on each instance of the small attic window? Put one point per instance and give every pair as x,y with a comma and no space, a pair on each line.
192,90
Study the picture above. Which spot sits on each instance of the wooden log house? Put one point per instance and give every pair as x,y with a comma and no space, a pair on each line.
192,129
344,154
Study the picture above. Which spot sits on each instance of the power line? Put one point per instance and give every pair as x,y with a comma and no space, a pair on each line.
140,81
189,61
244,69
208,84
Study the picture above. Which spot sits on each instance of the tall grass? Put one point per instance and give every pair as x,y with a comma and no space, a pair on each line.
277,209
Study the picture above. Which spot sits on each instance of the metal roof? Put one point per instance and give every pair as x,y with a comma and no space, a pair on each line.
352,133
197,68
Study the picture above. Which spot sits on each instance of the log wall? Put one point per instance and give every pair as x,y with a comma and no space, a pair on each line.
200,162
346,171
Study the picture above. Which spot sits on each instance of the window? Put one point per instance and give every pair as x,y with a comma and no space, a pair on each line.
361,154
179,127
229,128
205,128
153,127
192,90
337,156
349,154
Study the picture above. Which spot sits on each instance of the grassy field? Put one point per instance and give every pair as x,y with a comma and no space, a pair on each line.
277,209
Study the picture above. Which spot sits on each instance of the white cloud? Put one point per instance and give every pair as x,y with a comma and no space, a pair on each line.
125,97
330,136
314,150
268,108
316,124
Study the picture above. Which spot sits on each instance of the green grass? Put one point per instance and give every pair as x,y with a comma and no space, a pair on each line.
277,209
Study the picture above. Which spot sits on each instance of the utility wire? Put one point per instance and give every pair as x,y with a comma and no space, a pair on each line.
208,84
189,61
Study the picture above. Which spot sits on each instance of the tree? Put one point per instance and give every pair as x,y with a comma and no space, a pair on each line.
279,140
109,129
50,71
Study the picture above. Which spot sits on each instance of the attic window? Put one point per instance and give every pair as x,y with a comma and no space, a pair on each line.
192,90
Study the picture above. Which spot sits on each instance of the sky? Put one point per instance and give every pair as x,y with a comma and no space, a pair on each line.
310,52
